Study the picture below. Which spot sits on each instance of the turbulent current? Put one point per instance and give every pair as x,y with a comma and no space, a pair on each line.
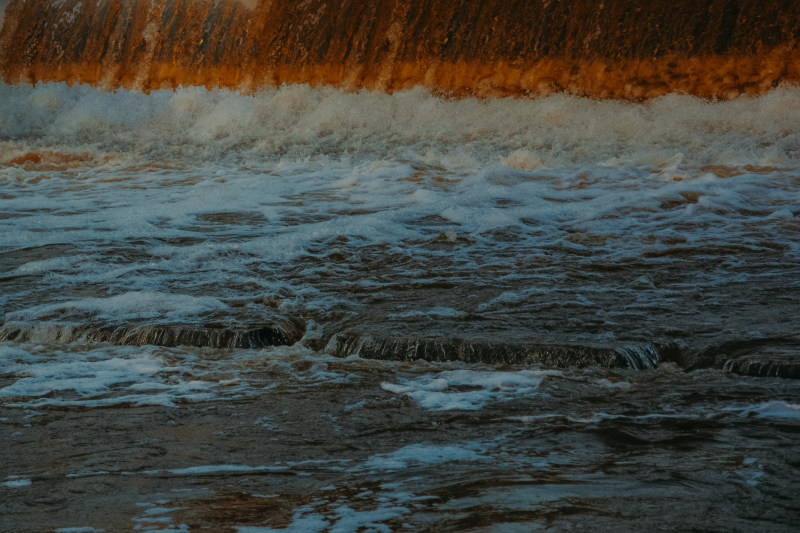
311,213
303,309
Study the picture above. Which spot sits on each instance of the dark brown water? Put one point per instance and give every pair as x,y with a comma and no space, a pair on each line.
292,439
313,310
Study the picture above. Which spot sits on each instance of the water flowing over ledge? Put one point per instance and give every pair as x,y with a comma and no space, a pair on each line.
767,357
196,217
342,345
614,49
279,334
639,357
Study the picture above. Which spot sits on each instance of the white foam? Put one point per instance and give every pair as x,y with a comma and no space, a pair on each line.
295,123
621,385
132,305
348,519
432,313
40,376
192,205
774,409
204,470
221,469
346,516
96,378
445,391
16,482
83,474
420,455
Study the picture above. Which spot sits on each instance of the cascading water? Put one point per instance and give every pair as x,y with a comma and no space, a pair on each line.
630,49
393,265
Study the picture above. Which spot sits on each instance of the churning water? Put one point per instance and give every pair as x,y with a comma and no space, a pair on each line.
310,309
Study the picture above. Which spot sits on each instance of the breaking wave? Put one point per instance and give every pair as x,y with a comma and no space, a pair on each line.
53,126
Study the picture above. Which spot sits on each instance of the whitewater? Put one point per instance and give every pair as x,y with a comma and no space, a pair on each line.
309,309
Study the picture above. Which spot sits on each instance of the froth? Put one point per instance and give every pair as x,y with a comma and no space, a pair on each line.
566,221
300,124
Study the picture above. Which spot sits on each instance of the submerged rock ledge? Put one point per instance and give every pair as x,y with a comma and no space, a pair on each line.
289,332
764,366
646,355
768,357
758,358
614,49
281,334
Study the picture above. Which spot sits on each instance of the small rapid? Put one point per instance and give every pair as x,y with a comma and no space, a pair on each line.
209,217
55,126
304,309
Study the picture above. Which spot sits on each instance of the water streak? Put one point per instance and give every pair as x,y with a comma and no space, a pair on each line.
628,49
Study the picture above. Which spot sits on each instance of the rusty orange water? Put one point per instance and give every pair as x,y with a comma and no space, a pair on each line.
635,49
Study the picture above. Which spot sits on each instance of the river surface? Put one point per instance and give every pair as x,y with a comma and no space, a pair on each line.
310,310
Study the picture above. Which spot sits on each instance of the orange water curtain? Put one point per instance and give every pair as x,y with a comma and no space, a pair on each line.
631,49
